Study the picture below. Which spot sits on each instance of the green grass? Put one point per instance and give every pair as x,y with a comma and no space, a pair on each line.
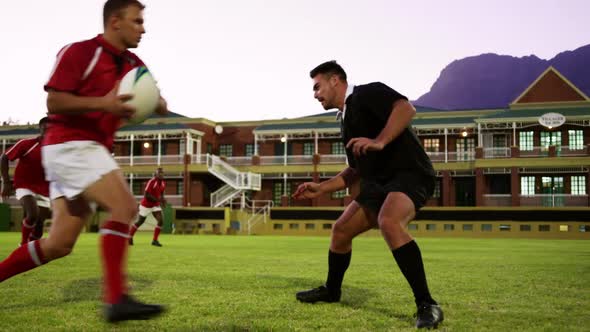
238,283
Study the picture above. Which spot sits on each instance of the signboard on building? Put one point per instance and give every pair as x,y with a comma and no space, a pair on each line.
551,120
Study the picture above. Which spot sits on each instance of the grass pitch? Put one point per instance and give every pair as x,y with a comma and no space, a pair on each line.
240,283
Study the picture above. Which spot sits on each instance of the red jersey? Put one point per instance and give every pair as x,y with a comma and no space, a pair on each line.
29,173
88,68
154,187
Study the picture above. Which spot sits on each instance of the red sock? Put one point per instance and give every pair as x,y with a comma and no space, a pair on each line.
23,259
113,246
25,230
133,230
156,233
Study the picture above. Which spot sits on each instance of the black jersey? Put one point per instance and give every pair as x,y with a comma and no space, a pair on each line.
367,111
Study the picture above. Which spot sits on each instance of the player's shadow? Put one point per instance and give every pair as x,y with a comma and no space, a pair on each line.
90,289
352,296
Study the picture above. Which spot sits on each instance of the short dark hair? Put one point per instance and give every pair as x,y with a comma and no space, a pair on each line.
114,7
329,68
43,121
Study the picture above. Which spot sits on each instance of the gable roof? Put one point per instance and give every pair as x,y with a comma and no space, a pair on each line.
551,86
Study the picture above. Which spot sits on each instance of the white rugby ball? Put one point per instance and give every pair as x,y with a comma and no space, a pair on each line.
141,84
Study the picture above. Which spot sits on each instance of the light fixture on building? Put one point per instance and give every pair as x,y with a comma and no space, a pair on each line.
146,145
283,139
464,133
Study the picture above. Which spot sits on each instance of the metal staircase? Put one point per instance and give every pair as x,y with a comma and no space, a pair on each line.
236,182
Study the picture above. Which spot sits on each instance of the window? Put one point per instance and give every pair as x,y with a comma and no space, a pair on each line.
179,187
249,148
579,185
525,228
465,148
544,228
564,228
576,139
436,193
308,149
526,140
326,226
138,187
527,185
449,227
486,227
209,148
338,148
226,150
467,227
412,227
505,228
277,226
431,144
549,138
431,227
584,228
338,194
278,192
310,226
293,226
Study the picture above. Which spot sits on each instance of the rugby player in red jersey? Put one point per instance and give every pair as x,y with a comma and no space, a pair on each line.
151,202
32,190
84,113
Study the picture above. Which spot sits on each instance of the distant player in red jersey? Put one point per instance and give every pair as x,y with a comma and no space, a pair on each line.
152,201
32,190
84,113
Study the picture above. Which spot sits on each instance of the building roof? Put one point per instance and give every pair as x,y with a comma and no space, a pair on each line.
19,133
299,126
535,113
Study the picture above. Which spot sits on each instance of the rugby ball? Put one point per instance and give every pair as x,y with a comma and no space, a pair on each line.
140,83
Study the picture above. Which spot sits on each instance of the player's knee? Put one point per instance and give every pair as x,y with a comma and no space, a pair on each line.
390,222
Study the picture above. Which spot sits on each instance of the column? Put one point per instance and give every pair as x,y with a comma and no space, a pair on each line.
255,145
479,136
4,145
513,133
131,151
159,148
515,186
316,148
446,146
446,188
285,150
480,187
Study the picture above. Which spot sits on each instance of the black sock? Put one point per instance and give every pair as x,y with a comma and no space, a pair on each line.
409,260
337,265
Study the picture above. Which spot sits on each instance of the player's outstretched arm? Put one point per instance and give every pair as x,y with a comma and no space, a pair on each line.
341,181
59,102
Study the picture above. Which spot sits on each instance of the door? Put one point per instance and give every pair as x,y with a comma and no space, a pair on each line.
549,138
465,191
552,185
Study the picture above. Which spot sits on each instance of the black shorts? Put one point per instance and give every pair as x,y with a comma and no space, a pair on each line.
418,187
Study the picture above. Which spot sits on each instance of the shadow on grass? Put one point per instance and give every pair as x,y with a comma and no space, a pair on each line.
76,291
91,289
352,296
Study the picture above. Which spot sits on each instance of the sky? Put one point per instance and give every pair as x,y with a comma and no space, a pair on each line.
236,60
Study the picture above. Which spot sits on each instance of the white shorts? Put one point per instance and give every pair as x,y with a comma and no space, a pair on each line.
145,211
73,166
41,200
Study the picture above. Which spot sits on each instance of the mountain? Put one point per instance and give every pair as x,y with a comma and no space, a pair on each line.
494,81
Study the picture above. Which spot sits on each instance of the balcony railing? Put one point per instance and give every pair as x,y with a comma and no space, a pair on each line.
333,159
489,153
497,199
536,151
174,200
149,160
451,156
554,200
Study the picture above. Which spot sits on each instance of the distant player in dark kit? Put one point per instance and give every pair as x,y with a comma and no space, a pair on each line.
85,111
396,179
153,199
32,190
